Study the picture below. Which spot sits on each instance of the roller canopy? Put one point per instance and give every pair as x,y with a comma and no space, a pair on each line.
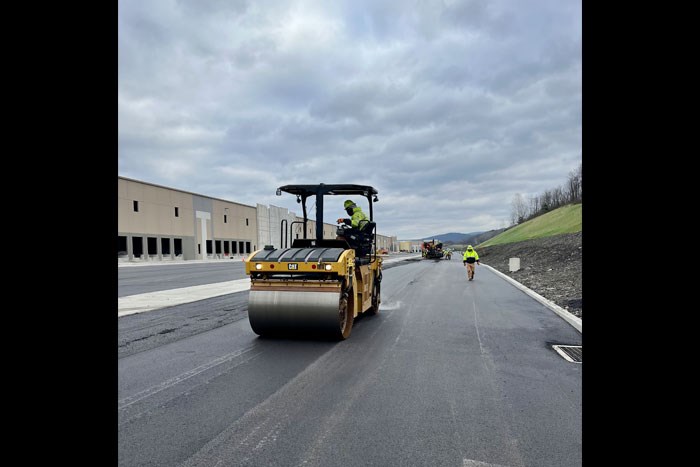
332,189
319,191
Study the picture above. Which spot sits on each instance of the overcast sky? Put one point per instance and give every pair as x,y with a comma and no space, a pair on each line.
447,107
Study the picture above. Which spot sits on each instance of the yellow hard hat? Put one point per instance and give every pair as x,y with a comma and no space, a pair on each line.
349,204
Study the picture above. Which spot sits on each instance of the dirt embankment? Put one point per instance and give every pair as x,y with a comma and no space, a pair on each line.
550,266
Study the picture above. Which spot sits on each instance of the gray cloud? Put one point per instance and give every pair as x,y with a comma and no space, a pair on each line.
449,108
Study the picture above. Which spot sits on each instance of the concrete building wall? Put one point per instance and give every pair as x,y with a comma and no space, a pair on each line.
156,209
329,230
410,246
271,229
232,220
263,219
161,223
386,243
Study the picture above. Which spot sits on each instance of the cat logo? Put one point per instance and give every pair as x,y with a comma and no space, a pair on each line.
292,266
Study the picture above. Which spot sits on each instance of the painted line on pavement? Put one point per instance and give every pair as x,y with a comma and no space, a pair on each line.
163,298
127,401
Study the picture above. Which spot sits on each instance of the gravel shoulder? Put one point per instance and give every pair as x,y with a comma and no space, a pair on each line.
550,266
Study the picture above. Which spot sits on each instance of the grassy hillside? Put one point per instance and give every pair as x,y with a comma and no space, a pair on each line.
566,219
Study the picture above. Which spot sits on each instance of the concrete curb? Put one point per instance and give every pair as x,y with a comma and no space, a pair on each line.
574,321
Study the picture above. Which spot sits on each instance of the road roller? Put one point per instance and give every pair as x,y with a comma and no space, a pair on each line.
318,286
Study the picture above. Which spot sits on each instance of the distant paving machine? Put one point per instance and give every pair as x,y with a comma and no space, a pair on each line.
318,286
432,250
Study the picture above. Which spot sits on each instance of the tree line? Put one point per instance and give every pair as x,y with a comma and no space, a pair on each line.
571,192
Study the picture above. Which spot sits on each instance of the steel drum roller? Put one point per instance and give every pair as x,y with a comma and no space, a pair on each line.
290,312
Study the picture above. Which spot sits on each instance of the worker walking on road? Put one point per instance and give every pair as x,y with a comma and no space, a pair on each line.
470,260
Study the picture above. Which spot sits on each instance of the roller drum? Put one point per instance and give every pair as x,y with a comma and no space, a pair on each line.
291,313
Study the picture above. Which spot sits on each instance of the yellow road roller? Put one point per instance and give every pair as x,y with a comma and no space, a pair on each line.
320,285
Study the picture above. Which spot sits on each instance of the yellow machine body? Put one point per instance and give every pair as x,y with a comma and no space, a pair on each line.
319,285
316,291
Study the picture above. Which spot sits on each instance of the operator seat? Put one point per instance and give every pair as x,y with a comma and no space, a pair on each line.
360,240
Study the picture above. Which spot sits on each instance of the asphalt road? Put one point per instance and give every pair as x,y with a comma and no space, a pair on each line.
449,373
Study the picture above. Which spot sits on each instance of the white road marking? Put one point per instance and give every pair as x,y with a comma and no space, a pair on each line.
163,298
127,401
476,325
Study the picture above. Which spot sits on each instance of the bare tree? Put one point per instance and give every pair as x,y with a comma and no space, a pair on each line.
546,203
551,199
575,185
518,209
558,197
534,206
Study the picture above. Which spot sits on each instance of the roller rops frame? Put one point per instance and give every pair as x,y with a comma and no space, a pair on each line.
318,286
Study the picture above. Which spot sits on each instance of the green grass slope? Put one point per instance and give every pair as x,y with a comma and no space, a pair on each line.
563,220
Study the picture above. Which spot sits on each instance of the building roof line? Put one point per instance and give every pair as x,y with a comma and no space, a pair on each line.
185,191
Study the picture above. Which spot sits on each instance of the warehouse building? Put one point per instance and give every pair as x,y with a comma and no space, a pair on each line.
410,246
157,223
